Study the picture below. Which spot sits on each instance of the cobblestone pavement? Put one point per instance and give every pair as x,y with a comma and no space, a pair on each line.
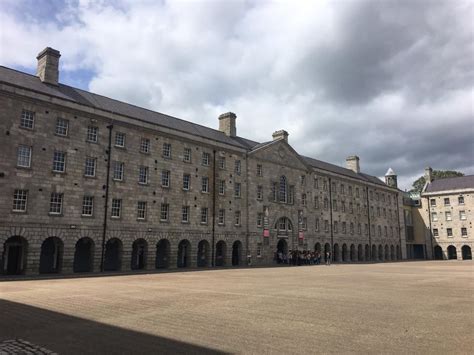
19,346
407,307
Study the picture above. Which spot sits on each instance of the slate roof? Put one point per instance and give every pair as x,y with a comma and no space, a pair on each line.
82,97
454,183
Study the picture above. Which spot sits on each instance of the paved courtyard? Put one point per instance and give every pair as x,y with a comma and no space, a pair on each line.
415,307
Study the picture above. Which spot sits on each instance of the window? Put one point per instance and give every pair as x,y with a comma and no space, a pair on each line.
462,215
141,210
259,250
350,190
333,187
87,205
316,202
463,231
116,208
378,211
359,229
435,232
433,202
120,140
165,178
342,189
334,205
204,215
344,227
316,183
27,119
335,226
237,189
238,167
357,192
221,187
372,211
351,228
205,184
259,193
145,145
449,232
221,216
259,219
117,171
166,150
358,208
20,198
23,156
326,203
89,169
187,155
303,199
385,231
282,190
376,196
371,193
164,212
186,181
185,214
379,230
448,215
304,223
343,206
326,225
59,162
325,185
92,134
56,203
259,170
62,127
366,229
205,158
446,201
384,212
383,197
143,175
221,163
237,218
316,224
303,179
389,199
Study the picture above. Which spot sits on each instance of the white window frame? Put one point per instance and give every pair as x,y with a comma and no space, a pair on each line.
62,127
141,210
166,152
116,208
119,139
59,161
143,175
21,156
56,203
186,182
164,212
87,205
165,178
118,171
27,119
145,145
187,155
205,184
89,169
92,134
20,200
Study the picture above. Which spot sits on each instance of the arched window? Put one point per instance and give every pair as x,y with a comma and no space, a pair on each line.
283,190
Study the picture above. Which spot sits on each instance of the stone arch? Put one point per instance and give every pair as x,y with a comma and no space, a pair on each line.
84,255
398,252
51,256
139,254
380,253
317,247
336,256
392,252
221,252
438,253
345,253
14,257
184,254
113,255
353,253
466,252
237,253
452,253
360,252
203,253
163,249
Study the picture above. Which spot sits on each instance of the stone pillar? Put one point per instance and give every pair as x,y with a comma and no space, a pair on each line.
150,258
68,257
127,258
32,255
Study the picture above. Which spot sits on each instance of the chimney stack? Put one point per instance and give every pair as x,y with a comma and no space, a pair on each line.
281,134
352,163
227,124
48,66
428,175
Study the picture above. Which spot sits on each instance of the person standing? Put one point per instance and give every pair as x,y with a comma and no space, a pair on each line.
328,258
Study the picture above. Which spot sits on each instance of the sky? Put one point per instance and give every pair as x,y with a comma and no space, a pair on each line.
390,81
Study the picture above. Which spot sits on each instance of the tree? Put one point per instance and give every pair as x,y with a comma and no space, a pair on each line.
419,183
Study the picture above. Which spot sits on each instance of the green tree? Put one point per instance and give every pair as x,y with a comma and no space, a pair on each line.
437,174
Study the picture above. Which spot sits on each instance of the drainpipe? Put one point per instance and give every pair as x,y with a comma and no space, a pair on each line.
369,226
330,219
213,206
431,229
247,207
400,231
106,204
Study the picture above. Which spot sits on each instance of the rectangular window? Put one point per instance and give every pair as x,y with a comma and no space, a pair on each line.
462,215
186,181
334,205
120,140
187,155
259,219
164,212
326,225
448,215
316,225
316,202
435,232
166,150
59,162
165,178
143,175
56,203
89,169
20,198
116,208
221,187
447,202
185,214
342,189
304,223
303,199
433,202
238,167
87,205
27,119
449,232
205,184
316,183
221,217
333,187
23,156
259,193
463,231
259,170
117,171
237,189
303,179
366,229
334,228
350,190
378,211
204,215
92,134
461,200
237,218
357,192
145,145
344,227
359,229
325,185
62,127
141,210
221,163
205,158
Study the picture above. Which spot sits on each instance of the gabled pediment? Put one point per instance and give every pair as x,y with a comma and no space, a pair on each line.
279,152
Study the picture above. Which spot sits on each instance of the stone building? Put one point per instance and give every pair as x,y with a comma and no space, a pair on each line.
88,183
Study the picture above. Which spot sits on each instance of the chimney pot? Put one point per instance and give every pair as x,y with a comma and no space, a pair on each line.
281,134
227,124
48,66
352,163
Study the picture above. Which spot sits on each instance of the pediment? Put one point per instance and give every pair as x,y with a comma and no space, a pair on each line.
281,153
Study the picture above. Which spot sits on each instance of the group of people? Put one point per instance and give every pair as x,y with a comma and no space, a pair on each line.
301,257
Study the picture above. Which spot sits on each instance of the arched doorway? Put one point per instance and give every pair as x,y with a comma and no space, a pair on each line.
14,255
387,253
374,255
367,253
345,254
162,254
327,249
353,253
184,253
398,252
84,255
466,252
317,248
236,253
380,252
203,253
438,253
139,253
220,253
336,256
360,252
51,256
452,253
113,255
392,252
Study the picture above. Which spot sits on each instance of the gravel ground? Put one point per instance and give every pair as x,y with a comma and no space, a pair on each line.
405,307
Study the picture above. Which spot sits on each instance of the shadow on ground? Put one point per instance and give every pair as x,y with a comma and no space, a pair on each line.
65,334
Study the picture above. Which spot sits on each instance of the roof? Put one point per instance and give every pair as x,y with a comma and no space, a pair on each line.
82,97
390,172
454,183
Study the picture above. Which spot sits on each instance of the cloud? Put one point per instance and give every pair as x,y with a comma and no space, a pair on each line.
391,81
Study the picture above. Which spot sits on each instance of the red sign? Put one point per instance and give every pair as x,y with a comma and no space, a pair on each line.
266,232
301,235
